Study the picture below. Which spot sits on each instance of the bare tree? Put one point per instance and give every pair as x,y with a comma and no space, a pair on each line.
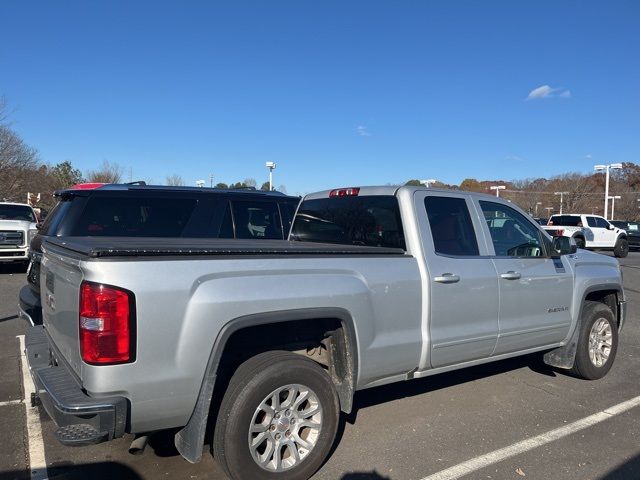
18,163
175,180
109,172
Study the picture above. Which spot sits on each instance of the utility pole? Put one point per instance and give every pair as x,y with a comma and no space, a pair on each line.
497,188
561,198
211,180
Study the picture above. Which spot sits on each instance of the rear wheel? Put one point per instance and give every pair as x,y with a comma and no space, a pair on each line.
580,243
277,420
597,342
621,249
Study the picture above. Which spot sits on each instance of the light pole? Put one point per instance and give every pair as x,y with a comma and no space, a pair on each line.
211,180
537,203
427,183
549,210
562,194
271,166
497,188
613,204
606,168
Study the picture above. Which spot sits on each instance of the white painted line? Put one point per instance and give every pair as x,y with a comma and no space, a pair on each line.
10,402
496,456
37,461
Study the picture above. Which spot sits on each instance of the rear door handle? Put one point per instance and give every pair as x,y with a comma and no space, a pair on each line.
510,275
447,278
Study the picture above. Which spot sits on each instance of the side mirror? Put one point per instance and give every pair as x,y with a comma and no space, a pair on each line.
564,246
611,227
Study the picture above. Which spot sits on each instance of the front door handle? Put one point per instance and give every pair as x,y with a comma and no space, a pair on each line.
510,275
447,278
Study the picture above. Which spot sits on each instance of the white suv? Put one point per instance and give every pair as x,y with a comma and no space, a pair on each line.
17,228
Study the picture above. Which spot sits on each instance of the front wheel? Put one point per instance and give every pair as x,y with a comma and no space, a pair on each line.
277,420
621,249
597,342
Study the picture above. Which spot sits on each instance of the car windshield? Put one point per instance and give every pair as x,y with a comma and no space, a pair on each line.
565,220
17,212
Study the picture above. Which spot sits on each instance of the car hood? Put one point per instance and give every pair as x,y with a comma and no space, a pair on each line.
16,225
587,257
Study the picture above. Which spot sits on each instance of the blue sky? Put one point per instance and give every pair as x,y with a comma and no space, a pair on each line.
337,93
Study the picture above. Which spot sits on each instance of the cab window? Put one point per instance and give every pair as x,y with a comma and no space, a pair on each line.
451,227
511,233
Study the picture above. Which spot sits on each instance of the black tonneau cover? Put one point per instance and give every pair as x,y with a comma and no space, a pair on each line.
101,247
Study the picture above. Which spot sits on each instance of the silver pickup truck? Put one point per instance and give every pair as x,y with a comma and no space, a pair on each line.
254,347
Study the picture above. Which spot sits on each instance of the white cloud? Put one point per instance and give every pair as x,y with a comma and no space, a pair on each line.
545,91
362,131
588,156
513,158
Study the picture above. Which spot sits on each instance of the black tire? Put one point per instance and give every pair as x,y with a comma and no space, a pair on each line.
580,243
621,249
254,381
583,366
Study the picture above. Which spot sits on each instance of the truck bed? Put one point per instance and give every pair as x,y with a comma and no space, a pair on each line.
101,247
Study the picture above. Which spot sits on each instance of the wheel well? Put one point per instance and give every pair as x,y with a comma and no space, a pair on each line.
609,298
324,340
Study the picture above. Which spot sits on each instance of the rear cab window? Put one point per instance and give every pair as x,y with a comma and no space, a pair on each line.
368,220
451,226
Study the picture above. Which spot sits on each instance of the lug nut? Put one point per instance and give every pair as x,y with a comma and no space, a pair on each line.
287,413
272,428
287,433
278,436
293,421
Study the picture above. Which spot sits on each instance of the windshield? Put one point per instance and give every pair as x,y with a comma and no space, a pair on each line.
372,221
566,220
17,212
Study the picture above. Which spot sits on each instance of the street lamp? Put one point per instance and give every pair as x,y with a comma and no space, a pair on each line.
562,194
427,183
211,180
200,183
497,188
613,204
606,168
537,203
271,166
549,210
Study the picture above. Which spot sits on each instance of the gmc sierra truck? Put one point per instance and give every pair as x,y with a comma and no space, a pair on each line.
254,347
590,231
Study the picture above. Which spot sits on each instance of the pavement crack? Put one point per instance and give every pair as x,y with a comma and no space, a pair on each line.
538,387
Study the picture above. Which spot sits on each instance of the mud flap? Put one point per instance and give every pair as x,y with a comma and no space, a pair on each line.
564,357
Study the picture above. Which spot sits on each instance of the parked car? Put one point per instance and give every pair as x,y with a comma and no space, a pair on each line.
17,228
632,229
99,210
142,334
590,232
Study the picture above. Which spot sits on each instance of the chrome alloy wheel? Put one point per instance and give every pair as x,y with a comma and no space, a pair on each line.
600,342
285,427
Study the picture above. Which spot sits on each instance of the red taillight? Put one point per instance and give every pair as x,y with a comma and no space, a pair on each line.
105,324
345,192
560,232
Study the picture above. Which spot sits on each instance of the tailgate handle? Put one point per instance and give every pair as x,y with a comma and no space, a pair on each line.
447,278
510,275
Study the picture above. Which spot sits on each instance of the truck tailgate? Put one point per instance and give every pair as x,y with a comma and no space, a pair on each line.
60,279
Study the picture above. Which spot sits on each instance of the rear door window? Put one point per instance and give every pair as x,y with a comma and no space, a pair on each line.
592,222
451,227
368,220
134,216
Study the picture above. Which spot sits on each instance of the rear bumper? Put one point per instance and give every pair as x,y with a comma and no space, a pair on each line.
29,306
81,419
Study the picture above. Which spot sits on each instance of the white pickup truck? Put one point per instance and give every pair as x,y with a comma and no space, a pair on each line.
17,228
589,231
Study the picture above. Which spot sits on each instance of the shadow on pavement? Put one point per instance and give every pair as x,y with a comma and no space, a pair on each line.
10,317
11,268
80,471
363,476
629,470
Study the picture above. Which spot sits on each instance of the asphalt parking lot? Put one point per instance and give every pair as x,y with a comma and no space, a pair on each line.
410,431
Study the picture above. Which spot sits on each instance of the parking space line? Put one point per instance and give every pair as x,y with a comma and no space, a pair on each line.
482,461
10,402
37,461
